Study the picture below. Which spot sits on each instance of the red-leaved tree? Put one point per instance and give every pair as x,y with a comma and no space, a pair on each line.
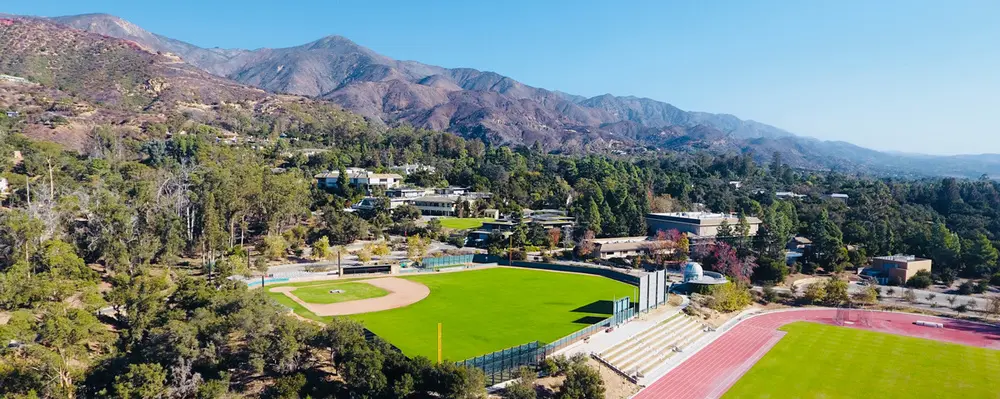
722,258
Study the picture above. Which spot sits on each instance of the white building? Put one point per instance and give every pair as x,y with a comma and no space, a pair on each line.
360,178
413,168
624,247
4,187
788,194
697,224
441,205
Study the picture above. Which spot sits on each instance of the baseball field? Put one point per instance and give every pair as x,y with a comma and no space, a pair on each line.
487,310
822,361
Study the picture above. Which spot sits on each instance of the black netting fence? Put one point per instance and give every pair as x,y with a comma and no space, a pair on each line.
502,365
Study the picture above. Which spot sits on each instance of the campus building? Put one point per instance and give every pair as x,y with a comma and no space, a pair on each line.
696,224
624,247
896,268
359,177
443,205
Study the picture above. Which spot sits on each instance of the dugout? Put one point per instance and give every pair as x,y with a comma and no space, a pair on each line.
373,269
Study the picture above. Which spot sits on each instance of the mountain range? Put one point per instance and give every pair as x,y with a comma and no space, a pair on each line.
500,109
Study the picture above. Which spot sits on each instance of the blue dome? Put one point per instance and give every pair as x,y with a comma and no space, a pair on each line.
693,272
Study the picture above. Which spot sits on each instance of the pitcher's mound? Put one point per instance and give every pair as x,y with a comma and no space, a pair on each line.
401,293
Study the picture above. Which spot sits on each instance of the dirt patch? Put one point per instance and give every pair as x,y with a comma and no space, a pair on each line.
401,293
4,318
615,386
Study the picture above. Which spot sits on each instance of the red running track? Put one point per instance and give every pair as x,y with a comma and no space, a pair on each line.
709,373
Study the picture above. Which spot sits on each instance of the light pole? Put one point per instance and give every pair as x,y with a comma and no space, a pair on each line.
510,247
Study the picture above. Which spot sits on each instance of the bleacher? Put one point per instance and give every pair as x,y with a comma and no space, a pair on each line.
647,350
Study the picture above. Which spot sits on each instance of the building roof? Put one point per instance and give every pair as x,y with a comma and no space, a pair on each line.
615,240
701,218
801,240
438,198
900,258
621,246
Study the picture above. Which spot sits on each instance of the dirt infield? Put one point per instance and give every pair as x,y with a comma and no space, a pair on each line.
710,372
401,293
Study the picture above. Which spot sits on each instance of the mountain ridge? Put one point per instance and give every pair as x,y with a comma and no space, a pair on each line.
487,104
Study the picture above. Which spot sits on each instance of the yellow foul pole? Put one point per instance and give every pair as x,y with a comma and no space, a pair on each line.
439,343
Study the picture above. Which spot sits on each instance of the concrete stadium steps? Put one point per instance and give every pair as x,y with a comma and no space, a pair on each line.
663,347
682,343
643,352
629,344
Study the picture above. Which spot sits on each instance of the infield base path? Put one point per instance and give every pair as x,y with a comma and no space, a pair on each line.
401,293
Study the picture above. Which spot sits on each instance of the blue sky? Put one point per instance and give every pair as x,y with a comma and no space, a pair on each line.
914,76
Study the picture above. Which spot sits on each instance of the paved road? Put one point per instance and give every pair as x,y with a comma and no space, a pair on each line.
938,302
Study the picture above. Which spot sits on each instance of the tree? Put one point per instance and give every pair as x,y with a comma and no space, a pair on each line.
381,250
142,381
814,293
945,248
416,247
836,292
582,382
980,256
214,236
586,246
951,299
405,213
321,249
724,259
364,254
274,247
828,245
524,386
553,237
909,296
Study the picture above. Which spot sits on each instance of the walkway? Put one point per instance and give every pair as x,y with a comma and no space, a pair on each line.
710,372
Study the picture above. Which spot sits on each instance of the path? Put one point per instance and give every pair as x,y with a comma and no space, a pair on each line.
711,371
401,293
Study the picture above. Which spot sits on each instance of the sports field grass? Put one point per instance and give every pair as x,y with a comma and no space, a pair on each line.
822,361
320,293
492,309
463,223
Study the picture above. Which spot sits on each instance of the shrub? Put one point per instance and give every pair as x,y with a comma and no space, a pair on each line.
995,280
814,293
770,295
965,288
981,286
919,280
730,297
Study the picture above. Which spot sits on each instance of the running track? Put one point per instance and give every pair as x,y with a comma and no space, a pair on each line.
710,372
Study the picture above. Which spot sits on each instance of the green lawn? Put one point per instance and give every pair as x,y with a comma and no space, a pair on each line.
822,361
492,309
463,223
320,293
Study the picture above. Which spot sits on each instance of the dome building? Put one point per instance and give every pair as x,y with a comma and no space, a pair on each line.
696,275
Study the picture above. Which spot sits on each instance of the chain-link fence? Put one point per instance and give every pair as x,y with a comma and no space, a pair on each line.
446,261
502,365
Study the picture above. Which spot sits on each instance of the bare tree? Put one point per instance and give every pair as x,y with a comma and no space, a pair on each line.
952,299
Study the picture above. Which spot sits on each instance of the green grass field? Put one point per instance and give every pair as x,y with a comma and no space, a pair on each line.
492,309
821,361
463,223
320,293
